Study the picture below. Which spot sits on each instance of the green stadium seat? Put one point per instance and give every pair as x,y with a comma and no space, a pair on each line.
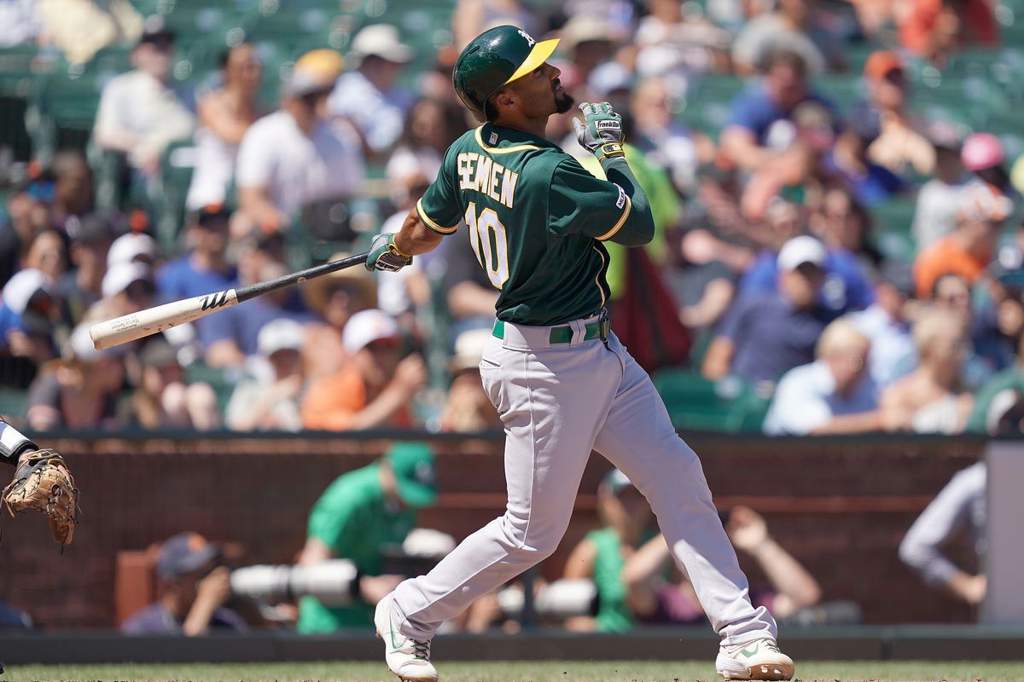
13,402
696,403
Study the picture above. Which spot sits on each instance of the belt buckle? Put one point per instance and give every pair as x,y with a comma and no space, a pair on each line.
604,324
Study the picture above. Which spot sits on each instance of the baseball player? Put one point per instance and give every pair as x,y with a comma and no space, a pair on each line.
561,382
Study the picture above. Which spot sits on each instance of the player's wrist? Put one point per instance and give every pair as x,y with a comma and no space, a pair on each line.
610,150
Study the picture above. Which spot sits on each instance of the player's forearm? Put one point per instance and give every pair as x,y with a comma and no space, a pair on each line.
639,226
863,422
13,444
415,238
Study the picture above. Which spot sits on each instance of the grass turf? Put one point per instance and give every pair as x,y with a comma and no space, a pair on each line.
567,671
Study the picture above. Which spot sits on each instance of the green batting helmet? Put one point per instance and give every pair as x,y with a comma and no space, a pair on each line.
494,59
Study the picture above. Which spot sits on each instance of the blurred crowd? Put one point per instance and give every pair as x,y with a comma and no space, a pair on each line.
766,269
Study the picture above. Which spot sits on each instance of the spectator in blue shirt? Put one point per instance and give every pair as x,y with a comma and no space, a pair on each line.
203,269
847,287
765,335
761,128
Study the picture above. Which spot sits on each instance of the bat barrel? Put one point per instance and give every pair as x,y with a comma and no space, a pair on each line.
154,320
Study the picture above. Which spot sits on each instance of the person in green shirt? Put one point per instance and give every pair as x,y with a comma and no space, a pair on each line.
359,515
603,553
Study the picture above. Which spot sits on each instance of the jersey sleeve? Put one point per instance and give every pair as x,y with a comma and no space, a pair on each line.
439,207
579,203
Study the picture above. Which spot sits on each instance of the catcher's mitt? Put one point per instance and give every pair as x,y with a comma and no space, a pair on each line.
44,483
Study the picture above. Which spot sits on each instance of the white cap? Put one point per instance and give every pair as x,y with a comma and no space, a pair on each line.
121,275
800,250
282,334
469,348
19,289
128,247
365,327
381,40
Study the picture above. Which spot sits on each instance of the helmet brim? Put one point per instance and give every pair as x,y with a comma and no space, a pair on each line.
538,55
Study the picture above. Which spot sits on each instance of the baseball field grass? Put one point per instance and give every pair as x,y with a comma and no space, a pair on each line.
567,671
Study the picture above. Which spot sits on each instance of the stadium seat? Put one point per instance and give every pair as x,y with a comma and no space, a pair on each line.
696,403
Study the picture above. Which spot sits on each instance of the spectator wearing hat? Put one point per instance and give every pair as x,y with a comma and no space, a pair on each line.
270,401
374,387
589,39
931,394
765,335
761,126
898,146
833,394
81,28
193,587
139,112
967,250
82,391
368,95
359,516
938,200
204,269
163,399
133,247
467,408
225,113
885,323
983,156
295,156
127,288
27,315
846,287
334,299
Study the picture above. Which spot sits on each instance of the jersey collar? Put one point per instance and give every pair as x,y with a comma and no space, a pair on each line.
496,139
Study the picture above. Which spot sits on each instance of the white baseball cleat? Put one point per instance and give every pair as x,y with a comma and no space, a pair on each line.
757,660
407,658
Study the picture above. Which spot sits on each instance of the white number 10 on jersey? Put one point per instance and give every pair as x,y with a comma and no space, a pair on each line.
492,253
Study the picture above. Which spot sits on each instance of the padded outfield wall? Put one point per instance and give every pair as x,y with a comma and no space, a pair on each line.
840,505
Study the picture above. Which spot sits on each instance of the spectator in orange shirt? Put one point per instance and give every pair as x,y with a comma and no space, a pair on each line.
375,385
968,250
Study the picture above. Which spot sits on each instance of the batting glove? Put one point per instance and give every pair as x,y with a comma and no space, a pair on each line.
385,254
600,131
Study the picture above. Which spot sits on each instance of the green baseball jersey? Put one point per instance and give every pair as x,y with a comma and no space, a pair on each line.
356,520
536,221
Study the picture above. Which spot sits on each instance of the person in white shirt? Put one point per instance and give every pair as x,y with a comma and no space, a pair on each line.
139,112
295,155
368,96
834,394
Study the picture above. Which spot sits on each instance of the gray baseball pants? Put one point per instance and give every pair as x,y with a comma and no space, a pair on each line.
558,402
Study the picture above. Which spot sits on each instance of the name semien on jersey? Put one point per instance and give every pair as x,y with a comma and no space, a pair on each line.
480,173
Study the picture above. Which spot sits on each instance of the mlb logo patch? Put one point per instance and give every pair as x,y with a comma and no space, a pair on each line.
493,139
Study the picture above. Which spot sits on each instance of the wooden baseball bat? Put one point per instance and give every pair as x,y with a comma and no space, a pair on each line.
154,320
